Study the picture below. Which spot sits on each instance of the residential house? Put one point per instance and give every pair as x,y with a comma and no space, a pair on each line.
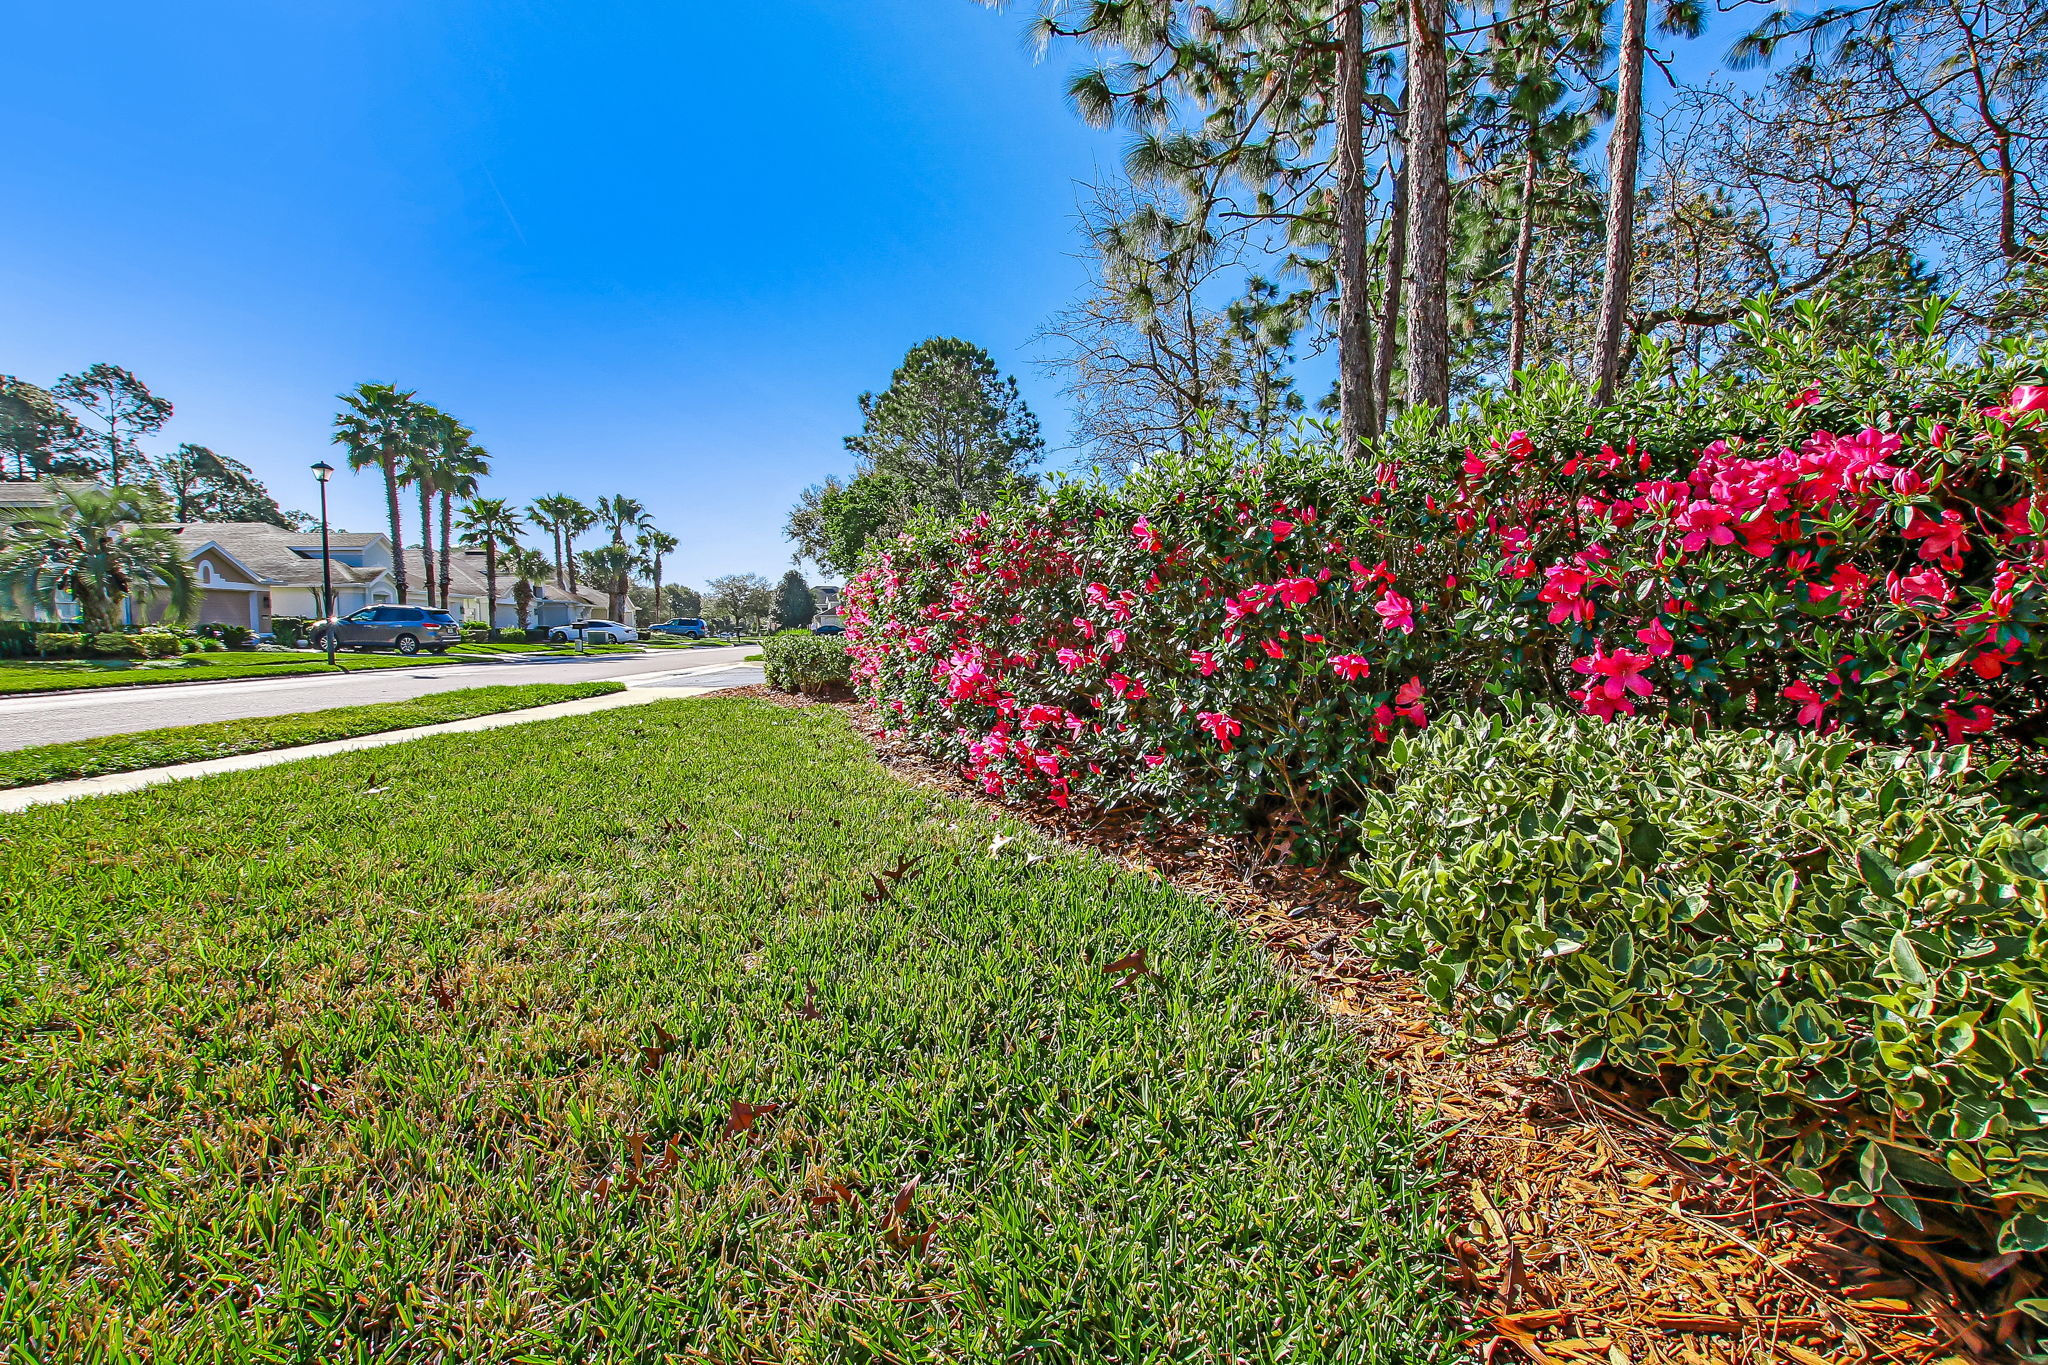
250,571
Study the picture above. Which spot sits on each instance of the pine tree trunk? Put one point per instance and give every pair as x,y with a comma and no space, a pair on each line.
1390,309
1623,145
1429,213
1354,313
397,529
1518,289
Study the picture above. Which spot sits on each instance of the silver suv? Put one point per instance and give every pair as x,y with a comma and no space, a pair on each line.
405,629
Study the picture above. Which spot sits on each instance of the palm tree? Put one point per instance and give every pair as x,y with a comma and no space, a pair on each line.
463,462
546,515
379,425
610,567
527,567
490,523
653,545
422,472
92,544
619,512
576,519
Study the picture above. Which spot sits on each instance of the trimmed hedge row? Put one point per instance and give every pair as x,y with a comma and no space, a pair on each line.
1839,954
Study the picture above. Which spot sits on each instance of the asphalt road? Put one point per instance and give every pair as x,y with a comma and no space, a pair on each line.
43,719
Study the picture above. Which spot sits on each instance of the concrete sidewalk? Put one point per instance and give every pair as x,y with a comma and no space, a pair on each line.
664,687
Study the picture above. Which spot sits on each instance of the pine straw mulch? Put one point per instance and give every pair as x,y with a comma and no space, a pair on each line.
1581,1236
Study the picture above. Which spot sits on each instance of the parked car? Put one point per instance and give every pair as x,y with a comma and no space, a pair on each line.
690,626
594,632
828,628
405,629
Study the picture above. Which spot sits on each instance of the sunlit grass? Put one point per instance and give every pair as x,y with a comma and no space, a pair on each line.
38,675
256,734
433,1052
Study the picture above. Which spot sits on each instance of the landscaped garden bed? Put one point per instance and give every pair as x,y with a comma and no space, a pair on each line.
257,734
1582,1231
1773,900
483,1047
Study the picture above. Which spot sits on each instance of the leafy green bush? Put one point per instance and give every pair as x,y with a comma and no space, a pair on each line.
60,645
289,631
113,644
158,644
1837,539
1836,955
236,637
798,661
209,645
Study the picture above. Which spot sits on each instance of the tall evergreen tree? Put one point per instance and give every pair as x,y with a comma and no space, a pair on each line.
199,484
122,404
39,438
794,605
951,427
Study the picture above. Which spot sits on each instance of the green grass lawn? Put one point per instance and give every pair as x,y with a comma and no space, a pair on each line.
43,675
190,743
439,1052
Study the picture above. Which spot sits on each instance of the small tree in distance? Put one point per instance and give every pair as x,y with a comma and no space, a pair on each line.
794,605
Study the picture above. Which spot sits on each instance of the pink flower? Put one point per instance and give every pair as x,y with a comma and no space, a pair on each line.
1980,719
1474,466
1282,530
1617,680
1204,660
1126,687
1350,667
1074,660
1805,400
1295,591
1382,722
1408,703
1926,586
1395,612
1851,582
1154,760
1995,660
1943,540
2027,398
1142,531
1221,726
1274,649
1811,704
1116,640
1657,639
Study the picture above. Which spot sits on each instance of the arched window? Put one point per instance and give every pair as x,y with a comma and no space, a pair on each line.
206,573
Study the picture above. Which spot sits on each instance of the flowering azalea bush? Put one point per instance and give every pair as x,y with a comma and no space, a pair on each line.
1845,542
1836,954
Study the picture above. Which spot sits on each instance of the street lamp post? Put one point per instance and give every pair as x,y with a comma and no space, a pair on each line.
324,471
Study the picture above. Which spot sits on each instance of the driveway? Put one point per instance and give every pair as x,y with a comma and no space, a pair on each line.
34,719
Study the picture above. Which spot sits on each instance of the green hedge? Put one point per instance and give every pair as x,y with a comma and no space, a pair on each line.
1836,955
803,662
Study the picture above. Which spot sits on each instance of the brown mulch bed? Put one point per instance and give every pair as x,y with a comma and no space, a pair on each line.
1582,1236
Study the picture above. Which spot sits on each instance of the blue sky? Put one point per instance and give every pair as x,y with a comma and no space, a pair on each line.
645,246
